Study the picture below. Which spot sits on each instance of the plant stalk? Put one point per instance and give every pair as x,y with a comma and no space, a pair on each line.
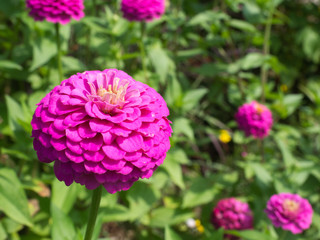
95,203
142,49
57,25
266,51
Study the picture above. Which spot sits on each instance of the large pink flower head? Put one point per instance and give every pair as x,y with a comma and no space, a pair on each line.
254,119
56,11
290,212
142,10
102,128
232,214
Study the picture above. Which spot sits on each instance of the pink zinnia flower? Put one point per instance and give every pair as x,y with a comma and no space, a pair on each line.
232,214
102,128
254,119
290,212
142,10
56,11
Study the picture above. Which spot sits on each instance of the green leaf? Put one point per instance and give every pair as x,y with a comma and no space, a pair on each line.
15,113
288,158
141,197
261,173
173,167
251,235
62,226
253,60
192,98
13,200
182,125
161,62
72,64
201,191
169,234
9,65
3,234
64,197
43,51
242,25
173,94
162,217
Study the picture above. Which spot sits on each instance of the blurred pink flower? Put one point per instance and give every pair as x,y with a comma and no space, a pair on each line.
102,128
232,214
56,11
142,10
290,212
254,119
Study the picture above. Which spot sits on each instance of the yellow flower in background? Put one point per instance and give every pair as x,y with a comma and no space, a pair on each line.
199,226
284,88
224,136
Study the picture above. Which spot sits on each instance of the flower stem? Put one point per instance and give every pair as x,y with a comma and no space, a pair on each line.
59,51
95,202
142,49
266,51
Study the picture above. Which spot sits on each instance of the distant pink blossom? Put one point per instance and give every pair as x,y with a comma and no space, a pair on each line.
102,128
232,214
290,212
56,11
254,119
142,10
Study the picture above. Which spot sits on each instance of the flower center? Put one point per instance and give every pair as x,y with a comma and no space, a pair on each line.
290,207
113,94
109,91
259,108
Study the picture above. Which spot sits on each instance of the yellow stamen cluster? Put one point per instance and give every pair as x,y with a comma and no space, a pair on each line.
224,136
114,94
290,205
199,226
259,108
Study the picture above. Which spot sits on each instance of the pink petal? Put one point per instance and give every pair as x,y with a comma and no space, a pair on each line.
73,156
108,137
74,147
85,131
44,139
113,151
132,143
120,131
131,125
55,133
141,162
96,156
73,135
59,144
92,144
127,169
94,167
46,116
132,156
112,165
101,126
63,172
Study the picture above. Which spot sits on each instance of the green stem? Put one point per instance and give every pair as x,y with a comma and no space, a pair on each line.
59,51
95,9
266,51
95,202
142,49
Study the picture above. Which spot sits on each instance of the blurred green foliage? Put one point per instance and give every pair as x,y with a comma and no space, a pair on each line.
206,59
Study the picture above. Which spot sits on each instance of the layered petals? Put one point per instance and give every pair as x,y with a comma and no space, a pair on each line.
102,128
